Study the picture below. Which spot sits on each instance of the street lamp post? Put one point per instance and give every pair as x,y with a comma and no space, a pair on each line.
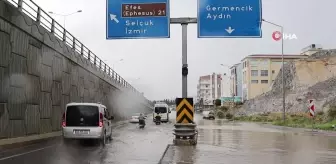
132,81
65,15
235,85
228,71
283,74
116,63
138,78
228,67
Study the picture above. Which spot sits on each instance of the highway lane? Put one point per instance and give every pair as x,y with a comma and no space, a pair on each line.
130,145
219,142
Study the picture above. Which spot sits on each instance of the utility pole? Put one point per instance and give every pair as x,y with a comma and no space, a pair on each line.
282,69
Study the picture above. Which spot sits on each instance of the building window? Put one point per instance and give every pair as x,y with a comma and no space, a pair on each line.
254,72
206,91
218,86
254,81
264,81
264,73
273,71
206,86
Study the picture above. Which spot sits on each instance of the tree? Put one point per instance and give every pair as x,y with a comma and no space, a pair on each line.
218,102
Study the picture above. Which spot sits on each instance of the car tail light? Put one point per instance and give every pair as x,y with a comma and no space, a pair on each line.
63,120
101,117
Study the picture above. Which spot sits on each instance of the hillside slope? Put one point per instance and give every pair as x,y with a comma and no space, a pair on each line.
308,78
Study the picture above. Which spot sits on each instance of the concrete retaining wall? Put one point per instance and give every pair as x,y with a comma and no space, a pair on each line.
39,75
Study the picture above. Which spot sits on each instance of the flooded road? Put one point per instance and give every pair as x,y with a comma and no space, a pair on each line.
223,142
219,142
130,145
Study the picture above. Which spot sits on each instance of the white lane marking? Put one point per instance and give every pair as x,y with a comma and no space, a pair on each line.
28,152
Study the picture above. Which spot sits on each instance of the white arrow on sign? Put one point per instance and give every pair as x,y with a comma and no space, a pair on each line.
230,30
114,18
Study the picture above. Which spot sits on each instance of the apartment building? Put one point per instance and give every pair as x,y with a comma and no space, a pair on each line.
225,85
209,88
311,49
259,72
236,80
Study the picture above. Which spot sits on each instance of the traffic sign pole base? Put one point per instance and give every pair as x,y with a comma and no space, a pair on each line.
189,142
185,134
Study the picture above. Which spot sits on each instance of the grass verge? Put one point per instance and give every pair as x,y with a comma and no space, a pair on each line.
296,120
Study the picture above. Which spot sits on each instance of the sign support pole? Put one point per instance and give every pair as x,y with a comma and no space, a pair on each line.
185,132
313,127
184,23
184,58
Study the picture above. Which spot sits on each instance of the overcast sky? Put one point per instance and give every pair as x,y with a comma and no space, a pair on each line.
153,66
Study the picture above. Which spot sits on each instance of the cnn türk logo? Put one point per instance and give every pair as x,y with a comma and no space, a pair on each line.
276,35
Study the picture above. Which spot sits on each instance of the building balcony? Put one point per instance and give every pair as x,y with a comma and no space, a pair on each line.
204,83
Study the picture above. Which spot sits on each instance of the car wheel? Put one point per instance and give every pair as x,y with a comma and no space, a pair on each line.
66,141
110,137
104,139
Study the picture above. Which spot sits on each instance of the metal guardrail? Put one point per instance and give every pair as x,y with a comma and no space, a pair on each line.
185,132
35,12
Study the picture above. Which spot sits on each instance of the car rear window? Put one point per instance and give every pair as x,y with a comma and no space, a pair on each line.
82,115
160,109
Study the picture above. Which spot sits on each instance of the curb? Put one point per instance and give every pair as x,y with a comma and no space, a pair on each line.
119,123
14,143
300,130
31,138
164,153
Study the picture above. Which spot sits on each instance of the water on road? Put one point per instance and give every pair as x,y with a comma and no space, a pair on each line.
219,141
224,142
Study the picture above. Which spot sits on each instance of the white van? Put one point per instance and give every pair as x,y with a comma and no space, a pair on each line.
164,111
87,121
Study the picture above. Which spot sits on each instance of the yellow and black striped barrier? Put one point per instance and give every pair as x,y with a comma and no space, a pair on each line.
184,110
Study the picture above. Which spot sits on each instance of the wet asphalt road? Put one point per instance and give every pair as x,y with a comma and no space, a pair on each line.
219,142
223,142
130,145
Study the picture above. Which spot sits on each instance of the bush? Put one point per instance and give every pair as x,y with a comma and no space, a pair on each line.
320,113
229,116
332,112
220,114
224,108
239,103
256,119
218,102
293,115
265,114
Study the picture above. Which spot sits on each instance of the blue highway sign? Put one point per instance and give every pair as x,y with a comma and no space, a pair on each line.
229,18
127,19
